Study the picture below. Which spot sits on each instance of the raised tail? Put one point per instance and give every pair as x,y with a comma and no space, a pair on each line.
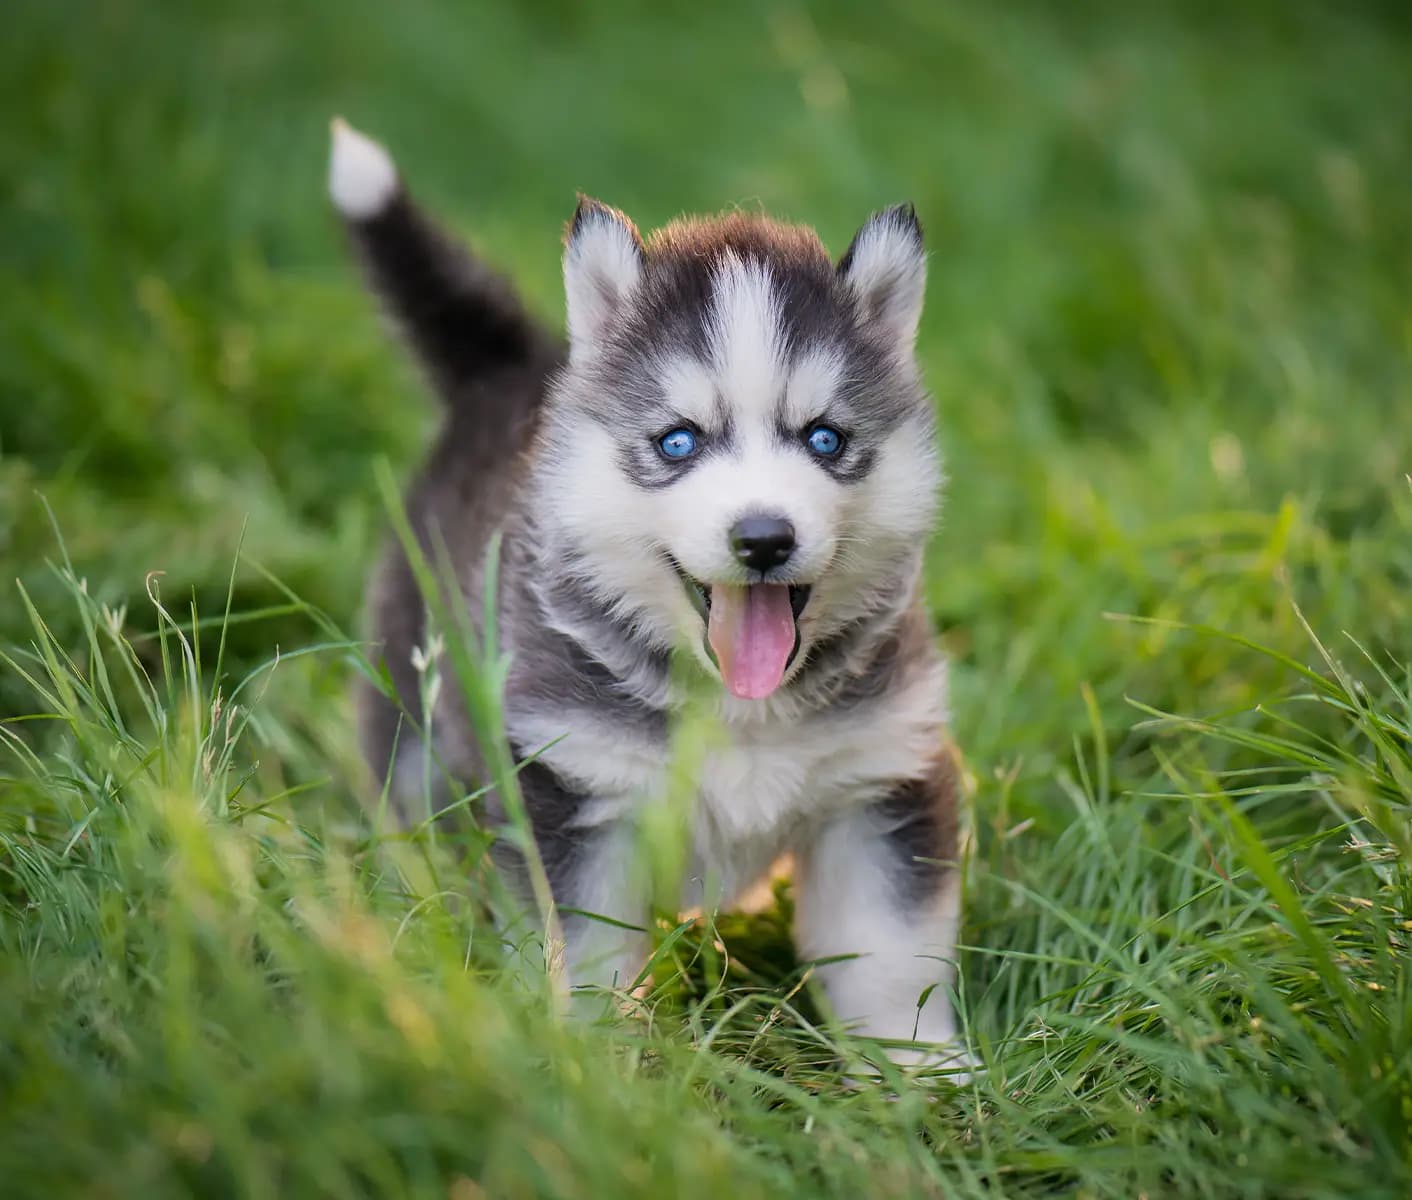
463,320
491,364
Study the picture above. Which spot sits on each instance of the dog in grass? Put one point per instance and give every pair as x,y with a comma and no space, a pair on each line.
722,480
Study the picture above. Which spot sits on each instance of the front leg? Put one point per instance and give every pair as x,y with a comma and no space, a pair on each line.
880,883
605,942
596,877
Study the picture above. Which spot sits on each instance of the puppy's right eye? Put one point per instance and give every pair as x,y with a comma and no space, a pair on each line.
678,444
825,441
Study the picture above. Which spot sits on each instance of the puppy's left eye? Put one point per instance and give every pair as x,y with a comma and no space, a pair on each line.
825,441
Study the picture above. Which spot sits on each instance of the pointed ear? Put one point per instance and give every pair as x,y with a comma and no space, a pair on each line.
602,265
886,269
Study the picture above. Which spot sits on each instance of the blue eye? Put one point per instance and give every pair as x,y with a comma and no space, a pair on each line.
679,443
825,441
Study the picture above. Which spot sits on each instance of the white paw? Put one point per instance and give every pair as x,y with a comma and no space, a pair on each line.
932,1041
949,1060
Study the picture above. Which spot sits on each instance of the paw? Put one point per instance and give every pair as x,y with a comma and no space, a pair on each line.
926,1041
950,1060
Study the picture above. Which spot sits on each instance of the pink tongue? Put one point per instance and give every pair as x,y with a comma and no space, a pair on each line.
752,632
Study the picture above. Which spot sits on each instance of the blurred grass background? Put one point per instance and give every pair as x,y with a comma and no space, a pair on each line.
1167,328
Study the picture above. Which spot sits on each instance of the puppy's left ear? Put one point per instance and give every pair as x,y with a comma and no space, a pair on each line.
602,265
886,269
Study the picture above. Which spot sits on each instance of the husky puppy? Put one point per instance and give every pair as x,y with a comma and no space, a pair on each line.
730,463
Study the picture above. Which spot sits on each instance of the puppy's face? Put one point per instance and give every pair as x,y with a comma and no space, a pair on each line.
740,455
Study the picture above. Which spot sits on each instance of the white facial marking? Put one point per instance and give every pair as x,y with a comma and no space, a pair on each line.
746,343
361,177
815,379
694,516
690,391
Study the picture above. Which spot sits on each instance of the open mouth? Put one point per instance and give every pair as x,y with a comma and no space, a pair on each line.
752,630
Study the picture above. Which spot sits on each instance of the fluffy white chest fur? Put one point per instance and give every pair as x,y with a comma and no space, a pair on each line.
768,777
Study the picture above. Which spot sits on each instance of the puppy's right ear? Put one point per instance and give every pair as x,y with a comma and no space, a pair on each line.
603,258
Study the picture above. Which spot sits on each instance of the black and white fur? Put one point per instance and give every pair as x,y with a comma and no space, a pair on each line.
743,328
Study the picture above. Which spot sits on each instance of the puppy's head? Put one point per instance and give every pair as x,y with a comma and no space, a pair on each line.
740,455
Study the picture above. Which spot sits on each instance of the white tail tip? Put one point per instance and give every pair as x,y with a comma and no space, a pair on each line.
361,177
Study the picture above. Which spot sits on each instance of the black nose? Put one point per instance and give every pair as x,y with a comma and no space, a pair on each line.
762,542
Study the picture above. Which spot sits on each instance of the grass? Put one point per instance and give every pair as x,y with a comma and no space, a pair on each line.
1169,337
